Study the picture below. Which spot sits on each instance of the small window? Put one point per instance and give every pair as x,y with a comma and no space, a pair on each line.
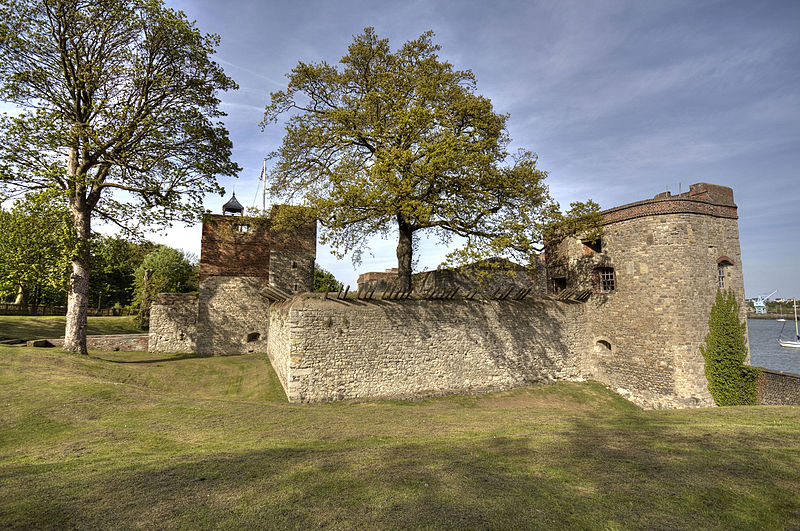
559,284
294,265
593,245
606,275
722,273
253,336
242,228
603,346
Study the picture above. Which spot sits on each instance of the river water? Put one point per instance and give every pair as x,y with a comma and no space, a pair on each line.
764,349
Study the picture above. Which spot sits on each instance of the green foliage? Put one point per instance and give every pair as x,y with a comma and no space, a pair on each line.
210,442
401,140
324,280
171,271
125,92
114,263
730,381
35,248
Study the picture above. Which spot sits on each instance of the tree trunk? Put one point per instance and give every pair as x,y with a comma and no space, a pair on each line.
78,298
22,295
404,254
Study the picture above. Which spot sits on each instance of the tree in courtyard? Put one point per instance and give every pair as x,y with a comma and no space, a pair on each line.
35,246
400,140
730,381
118,100
164,270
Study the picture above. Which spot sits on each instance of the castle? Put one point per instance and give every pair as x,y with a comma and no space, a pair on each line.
629,309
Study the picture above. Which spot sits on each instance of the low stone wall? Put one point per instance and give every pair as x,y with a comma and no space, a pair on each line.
778,388
123,342
173,323
334,349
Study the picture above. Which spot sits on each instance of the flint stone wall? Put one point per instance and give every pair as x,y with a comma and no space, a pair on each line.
332,350
778,388
173,323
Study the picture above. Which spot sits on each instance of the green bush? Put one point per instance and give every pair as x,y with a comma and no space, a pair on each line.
730,381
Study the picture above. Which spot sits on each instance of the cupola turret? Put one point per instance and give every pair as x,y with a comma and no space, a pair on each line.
233,206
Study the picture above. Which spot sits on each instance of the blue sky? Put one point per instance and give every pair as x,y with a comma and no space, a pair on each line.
620,99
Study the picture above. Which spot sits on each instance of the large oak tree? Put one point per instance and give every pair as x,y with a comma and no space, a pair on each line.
401,140
118,102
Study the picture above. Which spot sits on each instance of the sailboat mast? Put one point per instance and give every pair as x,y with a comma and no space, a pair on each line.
796,333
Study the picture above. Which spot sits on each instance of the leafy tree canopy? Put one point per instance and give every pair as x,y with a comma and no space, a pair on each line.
115,96
114,262
324,280
35,249
164,270
401,140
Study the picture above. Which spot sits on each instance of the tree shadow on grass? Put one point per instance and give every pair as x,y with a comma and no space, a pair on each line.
597,473
109,357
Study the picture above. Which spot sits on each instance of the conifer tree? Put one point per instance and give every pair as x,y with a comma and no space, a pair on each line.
730,381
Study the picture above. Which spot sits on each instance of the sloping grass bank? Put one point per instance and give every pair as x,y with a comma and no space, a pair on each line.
29,327
133,440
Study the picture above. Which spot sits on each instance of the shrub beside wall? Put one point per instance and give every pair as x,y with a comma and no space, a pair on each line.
730,381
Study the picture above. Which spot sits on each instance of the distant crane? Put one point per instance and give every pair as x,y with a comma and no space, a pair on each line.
761,302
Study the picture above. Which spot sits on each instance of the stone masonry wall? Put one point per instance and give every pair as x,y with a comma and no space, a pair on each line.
331,349
233,316
279,341
778,388
657,316
173,323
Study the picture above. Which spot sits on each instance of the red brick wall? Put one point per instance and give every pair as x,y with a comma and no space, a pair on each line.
225,251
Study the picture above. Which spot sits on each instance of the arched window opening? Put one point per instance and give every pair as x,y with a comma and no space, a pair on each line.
602,345
723,273
253,336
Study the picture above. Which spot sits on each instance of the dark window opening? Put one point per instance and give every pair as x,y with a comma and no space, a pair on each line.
253,336
722,269
603,345
607,282
594,245
294,265
559,284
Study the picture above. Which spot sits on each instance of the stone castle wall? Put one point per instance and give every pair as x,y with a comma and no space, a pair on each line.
173,323
777,388
233,316
664,253
330,349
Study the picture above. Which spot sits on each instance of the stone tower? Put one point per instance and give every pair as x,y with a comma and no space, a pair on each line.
654,275
243,264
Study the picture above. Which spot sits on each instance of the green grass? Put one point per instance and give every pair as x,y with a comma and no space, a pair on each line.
45,327
139,440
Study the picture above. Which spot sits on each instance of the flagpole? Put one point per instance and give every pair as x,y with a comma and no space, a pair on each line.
264,187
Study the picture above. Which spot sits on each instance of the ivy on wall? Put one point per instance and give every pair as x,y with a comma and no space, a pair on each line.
730,381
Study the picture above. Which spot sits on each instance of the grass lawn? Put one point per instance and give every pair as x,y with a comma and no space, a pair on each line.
147,440
45,327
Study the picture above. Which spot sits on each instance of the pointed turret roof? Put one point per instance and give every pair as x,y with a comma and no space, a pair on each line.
233,206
